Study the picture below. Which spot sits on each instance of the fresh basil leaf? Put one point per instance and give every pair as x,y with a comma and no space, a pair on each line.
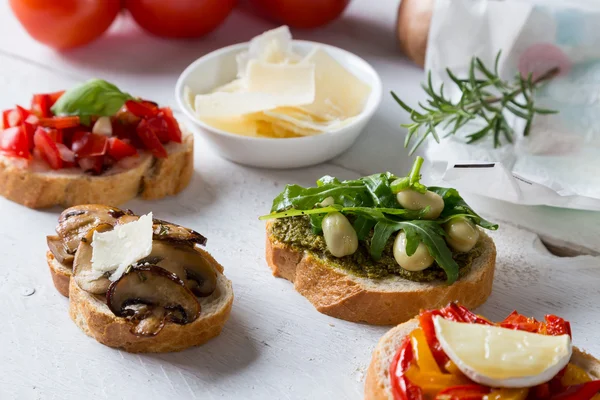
454,205
362,226
95,97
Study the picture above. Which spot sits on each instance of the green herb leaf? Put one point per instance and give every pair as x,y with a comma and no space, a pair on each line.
429,233
454,206
95,97
484,97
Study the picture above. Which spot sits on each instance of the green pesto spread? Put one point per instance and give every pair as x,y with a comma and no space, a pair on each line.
297,232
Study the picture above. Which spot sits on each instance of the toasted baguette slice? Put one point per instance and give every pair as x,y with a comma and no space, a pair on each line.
387,301
61,275
93,316
147,177
377,381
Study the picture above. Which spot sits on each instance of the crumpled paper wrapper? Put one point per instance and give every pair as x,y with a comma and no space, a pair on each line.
558,163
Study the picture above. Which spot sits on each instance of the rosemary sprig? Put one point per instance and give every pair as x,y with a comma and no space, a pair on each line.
485,96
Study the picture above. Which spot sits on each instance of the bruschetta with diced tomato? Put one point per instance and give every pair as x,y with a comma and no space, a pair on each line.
92,143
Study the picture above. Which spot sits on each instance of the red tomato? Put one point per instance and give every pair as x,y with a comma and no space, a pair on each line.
141,109
87,144
180,18
14,142
174,130
119,149
151,141
302,13
47,148
63,24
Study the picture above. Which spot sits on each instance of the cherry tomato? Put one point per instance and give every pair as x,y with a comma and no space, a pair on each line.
302,13
180,18
64,24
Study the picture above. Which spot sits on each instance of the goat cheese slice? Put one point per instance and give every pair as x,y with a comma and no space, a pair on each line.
115,250
501,357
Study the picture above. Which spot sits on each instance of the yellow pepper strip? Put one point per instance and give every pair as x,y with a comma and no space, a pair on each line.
422,352
451,368
574,376
433,382
507,394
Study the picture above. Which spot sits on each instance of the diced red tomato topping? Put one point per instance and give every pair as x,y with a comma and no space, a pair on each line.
93,164
14,142
119,149
142,109
47,148
172,124
11,118
40,105
151,141
64,142
87,144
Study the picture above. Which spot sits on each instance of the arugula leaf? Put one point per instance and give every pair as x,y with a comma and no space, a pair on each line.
95,97
455,206
363,225
428,232
379,188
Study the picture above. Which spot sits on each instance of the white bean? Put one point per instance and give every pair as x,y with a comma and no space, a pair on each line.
462,234
339,234
420,260
413,200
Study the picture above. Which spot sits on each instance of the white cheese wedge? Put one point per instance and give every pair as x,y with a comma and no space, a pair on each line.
339,94
117,249
274,46
500,357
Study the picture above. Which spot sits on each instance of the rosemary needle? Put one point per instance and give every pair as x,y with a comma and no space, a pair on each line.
484,96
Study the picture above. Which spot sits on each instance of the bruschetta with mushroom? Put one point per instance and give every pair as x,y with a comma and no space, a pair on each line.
137,283
379,248
92,143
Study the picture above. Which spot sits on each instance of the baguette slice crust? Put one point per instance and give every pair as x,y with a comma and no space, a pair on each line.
150,178
61,275
93,317
377,381
388,301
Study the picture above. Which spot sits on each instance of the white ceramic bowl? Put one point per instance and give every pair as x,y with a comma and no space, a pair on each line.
219,67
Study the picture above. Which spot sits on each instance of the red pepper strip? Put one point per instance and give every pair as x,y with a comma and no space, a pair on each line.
426,321
519,322
556,326
471,317
402,388
466,392
585,391
452,312
60,122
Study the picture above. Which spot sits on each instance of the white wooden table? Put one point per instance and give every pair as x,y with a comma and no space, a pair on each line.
275,344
